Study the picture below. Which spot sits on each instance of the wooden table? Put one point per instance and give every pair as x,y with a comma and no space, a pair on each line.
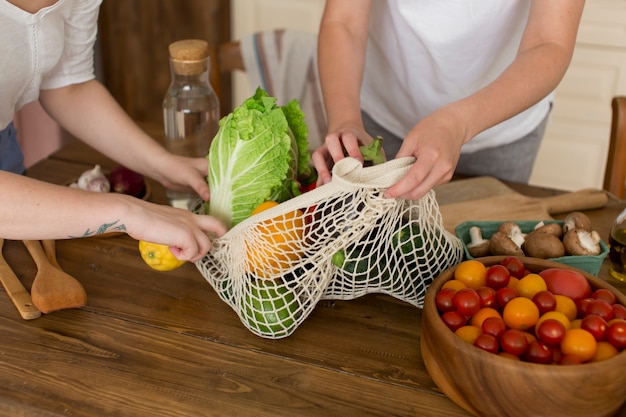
163,344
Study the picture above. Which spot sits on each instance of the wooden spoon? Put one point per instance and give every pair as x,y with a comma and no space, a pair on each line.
16,291
53,289
49,247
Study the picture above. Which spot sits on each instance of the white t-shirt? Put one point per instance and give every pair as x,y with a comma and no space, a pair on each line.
423,54
49,49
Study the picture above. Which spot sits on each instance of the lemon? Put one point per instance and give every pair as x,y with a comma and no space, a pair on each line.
158,256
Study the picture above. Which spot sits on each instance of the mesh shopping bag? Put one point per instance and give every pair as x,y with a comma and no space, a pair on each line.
339,241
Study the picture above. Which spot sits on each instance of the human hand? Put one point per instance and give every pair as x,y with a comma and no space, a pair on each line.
188,235
435,142
182,173
337,145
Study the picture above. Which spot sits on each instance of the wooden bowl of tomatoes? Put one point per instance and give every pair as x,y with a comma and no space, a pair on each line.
516,377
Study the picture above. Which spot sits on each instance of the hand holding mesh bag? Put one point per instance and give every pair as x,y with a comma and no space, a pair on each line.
339,241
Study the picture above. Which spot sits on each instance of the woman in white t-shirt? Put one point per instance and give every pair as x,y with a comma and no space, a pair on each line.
463,85
47,49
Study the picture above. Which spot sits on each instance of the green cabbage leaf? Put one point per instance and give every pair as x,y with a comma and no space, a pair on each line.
258,154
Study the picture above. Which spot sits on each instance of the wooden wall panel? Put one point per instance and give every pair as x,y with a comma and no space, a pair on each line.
134,36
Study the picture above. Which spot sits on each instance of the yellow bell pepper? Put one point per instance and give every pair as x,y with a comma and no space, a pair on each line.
158,256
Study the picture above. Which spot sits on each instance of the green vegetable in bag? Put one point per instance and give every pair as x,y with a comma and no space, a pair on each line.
258,153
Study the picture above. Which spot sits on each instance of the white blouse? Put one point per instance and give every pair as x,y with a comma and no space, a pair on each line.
423,54
49,49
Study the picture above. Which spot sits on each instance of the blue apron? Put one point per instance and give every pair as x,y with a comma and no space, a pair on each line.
11,156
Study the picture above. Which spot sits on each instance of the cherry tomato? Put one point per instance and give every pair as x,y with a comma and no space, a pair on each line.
514,342
616,334
601,308
498,276
539,352
551,332
454,320
620,311
487,342
504,295
466,301
514,265
443,300
595,325
566,282
604,294
545,301
583,306
579,342
487,296
494,326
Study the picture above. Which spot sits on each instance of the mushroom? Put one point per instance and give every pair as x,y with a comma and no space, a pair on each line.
551,228
576,220
513,232
582,242
477,247
543,245
501,244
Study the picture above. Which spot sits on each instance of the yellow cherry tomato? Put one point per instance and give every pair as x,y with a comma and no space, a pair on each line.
158,256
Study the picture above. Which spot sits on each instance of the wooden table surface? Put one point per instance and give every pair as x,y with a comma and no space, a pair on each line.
163,344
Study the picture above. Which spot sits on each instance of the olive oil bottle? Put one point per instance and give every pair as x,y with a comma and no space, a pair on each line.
617,251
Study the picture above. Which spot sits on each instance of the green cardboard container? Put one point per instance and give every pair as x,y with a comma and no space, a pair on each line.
590,264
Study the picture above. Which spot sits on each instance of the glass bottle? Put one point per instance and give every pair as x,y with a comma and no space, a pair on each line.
617,251
191,110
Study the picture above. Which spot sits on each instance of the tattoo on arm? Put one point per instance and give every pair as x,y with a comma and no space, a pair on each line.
104,228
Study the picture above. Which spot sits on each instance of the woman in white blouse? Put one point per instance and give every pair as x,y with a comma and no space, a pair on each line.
47,49
463,85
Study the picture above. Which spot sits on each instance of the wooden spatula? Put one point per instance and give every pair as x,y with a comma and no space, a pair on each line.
53,289
16,291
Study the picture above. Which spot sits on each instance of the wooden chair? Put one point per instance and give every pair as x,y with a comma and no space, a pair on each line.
229,57
615,174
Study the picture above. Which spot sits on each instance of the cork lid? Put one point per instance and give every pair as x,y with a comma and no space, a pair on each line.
189,56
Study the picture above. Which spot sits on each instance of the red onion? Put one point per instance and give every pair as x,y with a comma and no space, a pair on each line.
127,181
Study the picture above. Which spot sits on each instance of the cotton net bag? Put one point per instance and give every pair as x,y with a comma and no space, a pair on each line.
339,241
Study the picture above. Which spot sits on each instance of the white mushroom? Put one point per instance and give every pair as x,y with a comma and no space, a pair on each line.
513,232
543,245
576,220
477,247
501,244
582,242
551,228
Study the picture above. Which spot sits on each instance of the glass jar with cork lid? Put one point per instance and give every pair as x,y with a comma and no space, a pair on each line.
191,109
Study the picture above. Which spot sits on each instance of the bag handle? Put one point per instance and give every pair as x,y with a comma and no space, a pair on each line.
349,174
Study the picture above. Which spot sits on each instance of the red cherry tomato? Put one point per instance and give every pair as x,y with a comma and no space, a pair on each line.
566,282
443,300
616,334
514,265
487,342
514,342
551,332
497,276
454,320
620,311
583,306
600,308
538,352
604,294
545,301
487,296
504,295
494,326
466,301
595,325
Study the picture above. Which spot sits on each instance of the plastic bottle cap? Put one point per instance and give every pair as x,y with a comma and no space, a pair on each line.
189,57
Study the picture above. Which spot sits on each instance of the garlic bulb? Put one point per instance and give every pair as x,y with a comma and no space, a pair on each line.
93,180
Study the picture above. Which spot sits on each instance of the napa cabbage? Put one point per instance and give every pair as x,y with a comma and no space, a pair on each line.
258,154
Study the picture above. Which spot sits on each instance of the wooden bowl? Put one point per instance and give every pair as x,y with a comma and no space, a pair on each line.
485,384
